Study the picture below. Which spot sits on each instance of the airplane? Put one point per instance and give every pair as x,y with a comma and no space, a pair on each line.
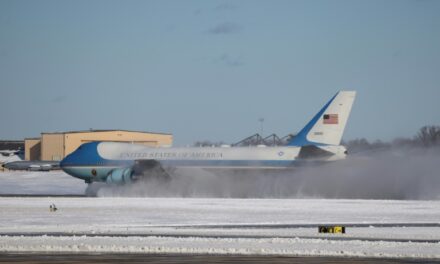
32,165
123,163
9,153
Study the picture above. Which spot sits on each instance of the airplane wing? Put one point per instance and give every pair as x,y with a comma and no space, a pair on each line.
149,168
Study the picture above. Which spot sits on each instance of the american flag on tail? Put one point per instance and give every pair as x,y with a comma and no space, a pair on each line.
331,119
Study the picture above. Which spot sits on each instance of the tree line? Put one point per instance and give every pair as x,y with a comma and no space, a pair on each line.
427,136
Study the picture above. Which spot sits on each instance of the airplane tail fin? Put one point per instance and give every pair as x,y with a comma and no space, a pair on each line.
327,126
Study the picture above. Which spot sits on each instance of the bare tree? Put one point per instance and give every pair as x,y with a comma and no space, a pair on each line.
429,136
207,143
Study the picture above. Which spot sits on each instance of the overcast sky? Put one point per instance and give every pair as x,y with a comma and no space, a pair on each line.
211,69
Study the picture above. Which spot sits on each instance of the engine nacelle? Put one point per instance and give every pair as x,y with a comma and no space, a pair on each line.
120,176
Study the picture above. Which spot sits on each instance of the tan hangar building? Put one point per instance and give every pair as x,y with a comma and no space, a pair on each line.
57,145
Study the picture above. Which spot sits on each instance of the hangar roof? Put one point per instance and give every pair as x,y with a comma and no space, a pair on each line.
32,138
104,130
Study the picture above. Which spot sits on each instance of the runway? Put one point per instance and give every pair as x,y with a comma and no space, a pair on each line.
192,259
224,236
21,195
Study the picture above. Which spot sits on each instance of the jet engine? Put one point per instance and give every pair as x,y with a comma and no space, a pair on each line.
120,176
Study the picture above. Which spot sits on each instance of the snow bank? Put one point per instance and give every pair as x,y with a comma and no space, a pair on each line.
270,246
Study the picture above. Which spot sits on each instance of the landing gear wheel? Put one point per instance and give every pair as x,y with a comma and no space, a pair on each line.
92,190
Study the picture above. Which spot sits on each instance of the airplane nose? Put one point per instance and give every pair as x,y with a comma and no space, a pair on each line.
66,161
63,163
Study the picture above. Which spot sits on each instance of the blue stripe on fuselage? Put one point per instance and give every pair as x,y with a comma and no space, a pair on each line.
194,163
226,163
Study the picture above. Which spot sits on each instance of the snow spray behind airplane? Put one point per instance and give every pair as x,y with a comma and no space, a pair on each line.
391,174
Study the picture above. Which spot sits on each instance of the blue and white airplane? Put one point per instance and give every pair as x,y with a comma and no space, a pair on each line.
121,163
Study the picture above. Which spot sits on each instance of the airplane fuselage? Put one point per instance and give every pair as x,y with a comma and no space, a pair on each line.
103,157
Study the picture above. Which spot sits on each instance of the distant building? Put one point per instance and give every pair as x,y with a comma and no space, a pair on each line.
32,148
11,144
57,145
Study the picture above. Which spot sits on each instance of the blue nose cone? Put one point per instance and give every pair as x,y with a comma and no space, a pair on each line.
68,165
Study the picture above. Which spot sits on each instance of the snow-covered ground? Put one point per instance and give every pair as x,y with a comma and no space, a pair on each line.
10,158
176,225
53,182
375,228
197,245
